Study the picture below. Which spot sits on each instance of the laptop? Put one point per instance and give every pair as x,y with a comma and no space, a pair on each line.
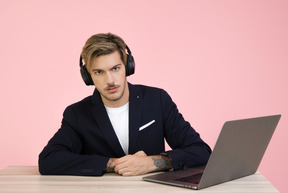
237,153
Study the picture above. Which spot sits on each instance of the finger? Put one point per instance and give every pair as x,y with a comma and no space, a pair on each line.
114,163
121,167
124,171
119,161
140,153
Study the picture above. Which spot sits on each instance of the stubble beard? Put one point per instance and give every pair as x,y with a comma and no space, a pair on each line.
117,98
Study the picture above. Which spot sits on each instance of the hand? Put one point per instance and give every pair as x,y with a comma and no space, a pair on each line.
136,164
109,167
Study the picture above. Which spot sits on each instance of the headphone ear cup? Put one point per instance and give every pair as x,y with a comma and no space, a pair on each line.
86,75
130,65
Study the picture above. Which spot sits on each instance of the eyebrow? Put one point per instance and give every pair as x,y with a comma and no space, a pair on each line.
96,69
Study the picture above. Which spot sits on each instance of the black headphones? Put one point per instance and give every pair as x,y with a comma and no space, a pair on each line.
130,68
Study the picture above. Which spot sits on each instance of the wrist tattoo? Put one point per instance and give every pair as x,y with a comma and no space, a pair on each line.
162,162
109,169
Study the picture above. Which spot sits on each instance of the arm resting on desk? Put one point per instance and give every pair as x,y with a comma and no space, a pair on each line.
63,153
67,163
139,163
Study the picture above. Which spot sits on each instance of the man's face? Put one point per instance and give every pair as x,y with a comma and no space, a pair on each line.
109,77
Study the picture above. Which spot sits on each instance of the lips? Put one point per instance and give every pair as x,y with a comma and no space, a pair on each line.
112,89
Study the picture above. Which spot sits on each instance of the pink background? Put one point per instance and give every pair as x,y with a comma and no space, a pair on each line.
219,60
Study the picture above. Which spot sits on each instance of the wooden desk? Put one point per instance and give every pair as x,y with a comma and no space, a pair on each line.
24,179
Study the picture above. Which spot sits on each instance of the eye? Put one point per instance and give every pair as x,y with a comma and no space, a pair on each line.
98,72
116,68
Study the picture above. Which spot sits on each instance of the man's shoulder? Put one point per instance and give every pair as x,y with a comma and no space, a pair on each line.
145,88
147,91
84,103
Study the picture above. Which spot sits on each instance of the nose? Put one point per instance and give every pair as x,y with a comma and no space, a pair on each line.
109,78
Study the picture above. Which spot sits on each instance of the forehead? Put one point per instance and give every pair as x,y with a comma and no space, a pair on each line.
106,61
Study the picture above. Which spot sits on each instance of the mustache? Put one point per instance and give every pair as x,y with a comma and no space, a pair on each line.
111,86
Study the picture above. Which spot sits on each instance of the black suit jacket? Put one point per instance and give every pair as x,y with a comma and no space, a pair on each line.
86,139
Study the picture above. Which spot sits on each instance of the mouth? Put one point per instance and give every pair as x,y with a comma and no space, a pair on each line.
112,89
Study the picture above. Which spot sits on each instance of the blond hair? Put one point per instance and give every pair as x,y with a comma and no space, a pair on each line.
102,44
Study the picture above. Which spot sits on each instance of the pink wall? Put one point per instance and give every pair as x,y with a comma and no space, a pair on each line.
219,60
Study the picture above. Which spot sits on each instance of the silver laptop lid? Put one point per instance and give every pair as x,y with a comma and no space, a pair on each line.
239,149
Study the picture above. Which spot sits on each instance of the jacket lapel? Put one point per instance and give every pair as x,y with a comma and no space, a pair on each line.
105,125
135,111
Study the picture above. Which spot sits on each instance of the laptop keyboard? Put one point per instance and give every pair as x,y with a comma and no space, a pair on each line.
195,178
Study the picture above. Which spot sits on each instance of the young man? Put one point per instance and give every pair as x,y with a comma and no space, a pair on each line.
120,128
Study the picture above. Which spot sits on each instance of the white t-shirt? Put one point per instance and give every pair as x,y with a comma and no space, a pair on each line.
119,118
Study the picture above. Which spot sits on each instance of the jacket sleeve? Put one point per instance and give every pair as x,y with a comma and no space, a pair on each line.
62,155
188,149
